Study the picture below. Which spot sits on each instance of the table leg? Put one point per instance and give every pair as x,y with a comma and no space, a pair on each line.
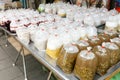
50,73
6,36
24,65
16,59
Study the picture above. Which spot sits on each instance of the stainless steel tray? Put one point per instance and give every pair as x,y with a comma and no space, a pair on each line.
42,57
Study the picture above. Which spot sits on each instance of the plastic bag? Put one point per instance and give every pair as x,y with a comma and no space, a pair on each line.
94,41
104,37
103,59
54,46
67,57
91,31
112,34
114,52
88,20
86,65
82,44
40,40
23,34
116,41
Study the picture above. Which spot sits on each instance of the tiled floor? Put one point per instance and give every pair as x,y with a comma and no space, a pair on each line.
8,72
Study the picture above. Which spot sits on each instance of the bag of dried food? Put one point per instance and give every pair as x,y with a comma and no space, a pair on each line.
114,52
54,46
103,59
67,57
94,41
112,34
86,65
82,44
104,37
116,41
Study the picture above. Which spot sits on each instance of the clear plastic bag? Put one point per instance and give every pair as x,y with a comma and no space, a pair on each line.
86,65
114,52
67,58
82,44
54,46
23,34
112,34
104,37
103,59
94,41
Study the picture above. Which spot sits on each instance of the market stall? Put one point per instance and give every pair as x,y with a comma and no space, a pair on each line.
65,39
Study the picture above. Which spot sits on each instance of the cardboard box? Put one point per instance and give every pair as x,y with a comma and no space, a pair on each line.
17,45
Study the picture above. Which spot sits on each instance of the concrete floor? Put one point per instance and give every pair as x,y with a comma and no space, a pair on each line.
8,72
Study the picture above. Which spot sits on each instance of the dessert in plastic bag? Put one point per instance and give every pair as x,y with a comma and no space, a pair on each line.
40,40
83,32
103,59
23,34
116,41
32,30
82,44
114,52
111,25
104,37
94,41
67,57
54,46
61,12
86,65
112,34
66,38
88,20
91,31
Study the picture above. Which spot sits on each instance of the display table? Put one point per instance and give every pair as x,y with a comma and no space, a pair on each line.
43,58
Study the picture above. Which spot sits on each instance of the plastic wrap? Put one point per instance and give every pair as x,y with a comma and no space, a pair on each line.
67,58
103,59
114,52
94,41
86,65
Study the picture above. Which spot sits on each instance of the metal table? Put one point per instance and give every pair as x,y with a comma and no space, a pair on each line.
42,57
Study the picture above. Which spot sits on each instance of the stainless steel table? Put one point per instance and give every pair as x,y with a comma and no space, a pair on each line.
42,57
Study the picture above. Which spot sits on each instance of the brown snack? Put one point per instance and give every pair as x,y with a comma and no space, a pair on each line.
116,40
94,41
67,58
112,34
104,37
82,44
103,59
86,65
114,52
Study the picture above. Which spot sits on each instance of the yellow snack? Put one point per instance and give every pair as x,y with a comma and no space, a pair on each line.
53,53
